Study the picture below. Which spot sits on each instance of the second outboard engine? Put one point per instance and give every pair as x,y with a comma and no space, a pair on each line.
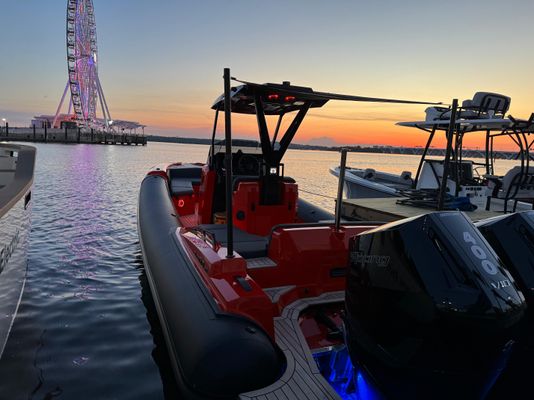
430,310
512,238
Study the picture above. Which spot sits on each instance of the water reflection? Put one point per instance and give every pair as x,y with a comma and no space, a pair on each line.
87,327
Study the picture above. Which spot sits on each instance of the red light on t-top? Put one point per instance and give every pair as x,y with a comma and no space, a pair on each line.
289,98
181,203
273,97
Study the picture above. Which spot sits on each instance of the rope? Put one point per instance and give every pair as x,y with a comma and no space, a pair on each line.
317,194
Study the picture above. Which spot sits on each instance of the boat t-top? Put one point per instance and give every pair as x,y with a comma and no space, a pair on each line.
262,295
473,179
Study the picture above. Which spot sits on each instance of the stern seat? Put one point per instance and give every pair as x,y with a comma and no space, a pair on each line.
183,177
246,244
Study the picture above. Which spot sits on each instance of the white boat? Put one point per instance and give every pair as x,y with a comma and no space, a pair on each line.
465,178
369,183
16,179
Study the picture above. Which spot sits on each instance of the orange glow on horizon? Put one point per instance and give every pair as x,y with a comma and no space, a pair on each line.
373,125
332,131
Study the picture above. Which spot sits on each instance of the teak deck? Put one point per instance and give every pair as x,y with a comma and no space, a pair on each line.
387,210
302,379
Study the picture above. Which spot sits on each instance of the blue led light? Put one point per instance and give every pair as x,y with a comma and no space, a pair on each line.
336,367
351,383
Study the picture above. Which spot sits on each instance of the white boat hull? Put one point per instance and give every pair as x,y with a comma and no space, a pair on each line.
14,232
356,187
15,213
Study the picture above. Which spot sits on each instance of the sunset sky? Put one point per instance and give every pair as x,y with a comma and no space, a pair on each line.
161,61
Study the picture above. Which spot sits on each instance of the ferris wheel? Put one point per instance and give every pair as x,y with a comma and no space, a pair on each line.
82,64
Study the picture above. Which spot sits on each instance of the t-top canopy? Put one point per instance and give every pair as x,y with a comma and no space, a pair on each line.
468,125
278,99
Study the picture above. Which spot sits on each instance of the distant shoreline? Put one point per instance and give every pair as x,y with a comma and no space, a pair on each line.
417,151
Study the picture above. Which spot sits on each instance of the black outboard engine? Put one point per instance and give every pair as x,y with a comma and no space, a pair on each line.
512,238
431,311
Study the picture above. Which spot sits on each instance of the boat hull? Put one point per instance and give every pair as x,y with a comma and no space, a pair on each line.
356,190
15,217
356,187
213,353
14,232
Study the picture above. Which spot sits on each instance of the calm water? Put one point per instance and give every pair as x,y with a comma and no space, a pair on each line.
86,327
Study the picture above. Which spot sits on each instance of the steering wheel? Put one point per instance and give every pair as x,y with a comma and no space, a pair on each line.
248,165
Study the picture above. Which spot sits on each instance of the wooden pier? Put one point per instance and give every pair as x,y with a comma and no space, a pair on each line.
70,135
387,210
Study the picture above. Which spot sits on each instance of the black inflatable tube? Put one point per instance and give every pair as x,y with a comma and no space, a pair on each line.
309,212
214,354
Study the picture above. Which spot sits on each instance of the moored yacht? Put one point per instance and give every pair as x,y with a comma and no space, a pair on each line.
250,281
472,179
16,179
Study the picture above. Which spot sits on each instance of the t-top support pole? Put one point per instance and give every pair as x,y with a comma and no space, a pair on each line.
228,163
446,162
340,187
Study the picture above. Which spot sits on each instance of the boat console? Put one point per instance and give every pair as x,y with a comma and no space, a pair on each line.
461,181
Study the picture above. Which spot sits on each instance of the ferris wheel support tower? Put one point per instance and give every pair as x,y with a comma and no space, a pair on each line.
82,65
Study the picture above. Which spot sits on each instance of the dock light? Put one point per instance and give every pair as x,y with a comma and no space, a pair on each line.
273,97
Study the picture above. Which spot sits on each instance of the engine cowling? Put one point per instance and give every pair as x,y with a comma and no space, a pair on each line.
430,307
512,238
